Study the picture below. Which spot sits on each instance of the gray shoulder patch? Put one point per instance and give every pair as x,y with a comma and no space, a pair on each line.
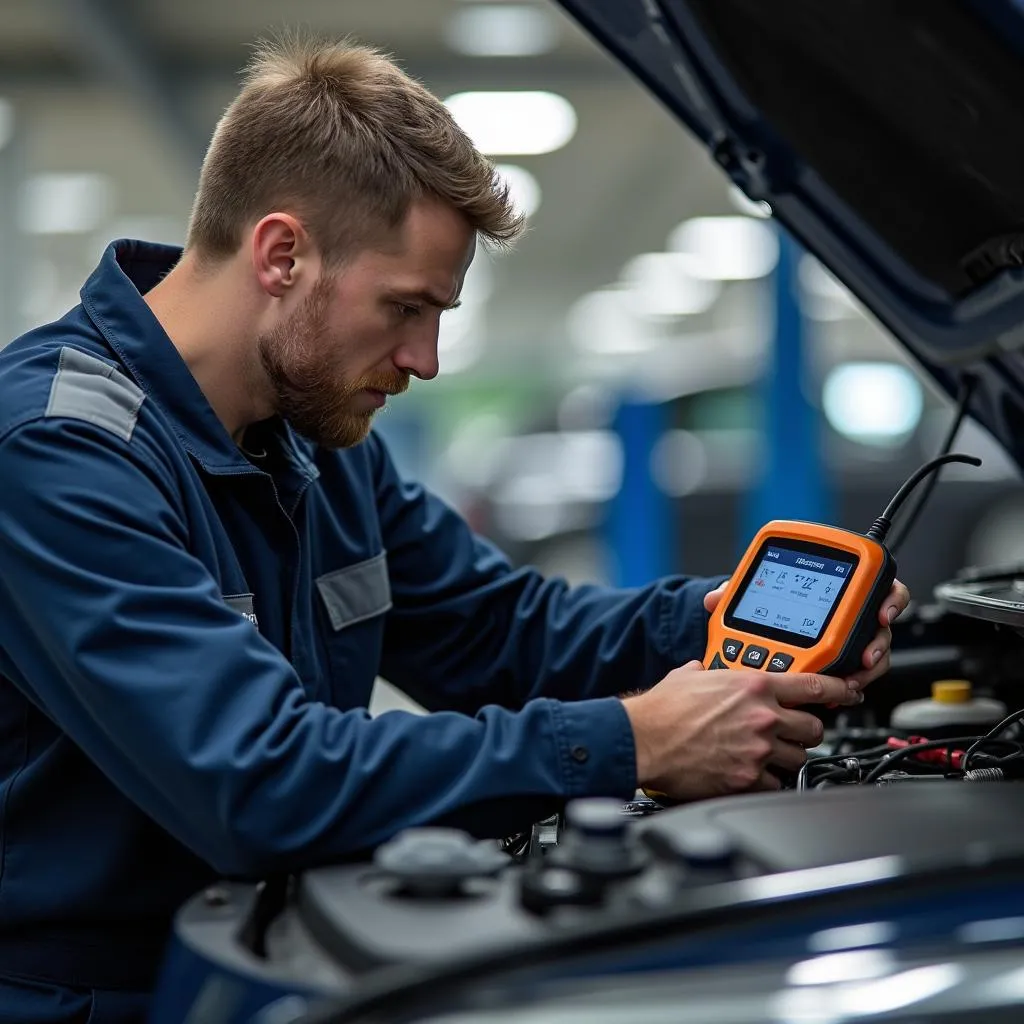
86,388
357,592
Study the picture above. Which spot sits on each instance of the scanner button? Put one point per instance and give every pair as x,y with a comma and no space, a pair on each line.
716,662
780,662
755,657
731,649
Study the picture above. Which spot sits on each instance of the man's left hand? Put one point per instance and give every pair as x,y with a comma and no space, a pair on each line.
876,654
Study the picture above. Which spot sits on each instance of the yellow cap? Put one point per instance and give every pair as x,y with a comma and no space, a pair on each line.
951,691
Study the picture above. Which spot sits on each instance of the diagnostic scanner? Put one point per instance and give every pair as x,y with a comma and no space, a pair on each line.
806,597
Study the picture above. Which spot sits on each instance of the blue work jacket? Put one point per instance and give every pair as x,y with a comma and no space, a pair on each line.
189,637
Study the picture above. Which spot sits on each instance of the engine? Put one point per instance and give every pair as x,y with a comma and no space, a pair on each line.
906,816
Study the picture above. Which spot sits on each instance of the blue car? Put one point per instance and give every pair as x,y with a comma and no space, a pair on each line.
886,882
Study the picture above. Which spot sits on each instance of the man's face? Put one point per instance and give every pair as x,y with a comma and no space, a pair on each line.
365,329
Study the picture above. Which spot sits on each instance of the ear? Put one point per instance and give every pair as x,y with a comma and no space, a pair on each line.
282,253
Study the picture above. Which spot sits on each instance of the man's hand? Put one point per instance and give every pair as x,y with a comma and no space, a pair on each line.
700,734
876,654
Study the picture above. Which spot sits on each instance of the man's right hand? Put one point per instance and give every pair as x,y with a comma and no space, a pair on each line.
708,733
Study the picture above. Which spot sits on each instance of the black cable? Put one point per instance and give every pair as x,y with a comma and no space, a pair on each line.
872,758
830,775
915,748
869,753
965,391
992,734
880,527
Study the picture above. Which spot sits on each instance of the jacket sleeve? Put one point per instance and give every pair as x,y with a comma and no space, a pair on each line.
120,635
466,629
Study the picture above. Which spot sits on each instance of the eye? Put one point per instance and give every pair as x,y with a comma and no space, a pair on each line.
406,311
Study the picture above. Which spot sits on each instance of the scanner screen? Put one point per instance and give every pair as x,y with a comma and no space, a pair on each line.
792,591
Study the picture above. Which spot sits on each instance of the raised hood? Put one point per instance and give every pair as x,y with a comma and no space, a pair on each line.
888,137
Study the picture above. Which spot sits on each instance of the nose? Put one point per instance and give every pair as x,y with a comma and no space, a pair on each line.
418,356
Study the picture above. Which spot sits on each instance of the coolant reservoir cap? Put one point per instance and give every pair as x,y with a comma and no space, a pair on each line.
951,691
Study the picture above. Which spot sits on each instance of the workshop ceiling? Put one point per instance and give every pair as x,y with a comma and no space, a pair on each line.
131,89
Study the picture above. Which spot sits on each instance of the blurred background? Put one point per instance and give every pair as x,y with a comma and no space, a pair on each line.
652,373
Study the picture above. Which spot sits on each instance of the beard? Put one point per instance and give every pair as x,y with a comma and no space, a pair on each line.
300,360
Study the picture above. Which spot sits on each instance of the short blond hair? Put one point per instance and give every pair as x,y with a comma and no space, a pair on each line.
338,134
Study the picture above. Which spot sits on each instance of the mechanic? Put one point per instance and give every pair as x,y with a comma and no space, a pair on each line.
208,557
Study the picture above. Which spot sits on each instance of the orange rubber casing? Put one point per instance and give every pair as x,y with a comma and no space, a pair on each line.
849,626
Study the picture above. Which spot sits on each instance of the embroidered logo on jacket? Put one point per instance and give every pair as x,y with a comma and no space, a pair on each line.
242,603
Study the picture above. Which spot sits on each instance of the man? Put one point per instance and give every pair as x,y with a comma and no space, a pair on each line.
207,558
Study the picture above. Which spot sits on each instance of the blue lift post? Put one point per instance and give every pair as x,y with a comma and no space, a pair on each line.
639,530
791,480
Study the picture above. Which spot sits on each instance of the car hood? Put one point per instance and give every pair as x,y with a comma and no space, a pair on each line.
887,137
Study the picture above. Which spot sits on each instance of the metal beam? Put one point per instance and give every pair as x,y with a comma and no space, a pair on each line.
110,42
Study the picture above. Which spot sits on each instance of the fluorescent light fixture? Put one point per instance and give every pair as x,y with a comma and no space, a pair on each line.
509,123
6,122
663,284
873,403
523,187
727,248
65,203
506,30
604,323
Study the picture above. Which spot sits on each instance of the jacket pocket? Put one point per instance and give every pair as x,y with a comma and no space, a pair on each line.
357,592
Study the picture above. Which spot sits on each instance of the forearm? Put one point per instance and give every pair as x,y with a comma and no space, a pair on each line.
534,637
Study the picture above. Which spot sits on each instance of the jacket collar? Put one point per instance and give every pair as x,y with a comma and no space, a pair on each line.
112,298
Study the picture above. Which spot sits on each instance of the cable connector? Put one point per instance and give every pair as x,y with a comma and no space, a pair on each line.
945,757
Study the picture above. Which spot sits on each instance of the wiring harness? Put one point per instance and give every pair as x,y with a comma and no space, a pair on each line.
877,756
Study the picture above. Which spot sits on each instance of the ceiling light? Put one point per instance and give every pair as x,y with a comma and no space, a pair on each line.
509,30
523,187
727,248
65,203
873,403
663,284
6,122
523,123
